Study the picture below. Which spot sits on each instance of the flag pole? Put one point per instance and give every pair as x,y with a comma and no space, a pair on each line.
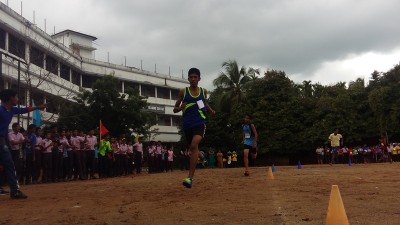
100,132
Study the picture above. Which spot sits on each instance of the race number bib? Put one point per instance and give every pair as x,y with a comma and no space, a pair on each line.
246,135
200,104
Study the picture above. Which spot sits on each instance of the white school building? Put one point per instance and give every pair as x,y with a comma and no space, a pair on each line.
58,66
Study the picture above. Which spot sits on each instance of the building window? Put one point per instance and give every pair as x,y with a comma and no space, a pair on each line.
176,121
64,71
162,93
148,91
163,120
37,57
132,85
2,39
22,93
76,78
88,80
16,46
51,65
174,94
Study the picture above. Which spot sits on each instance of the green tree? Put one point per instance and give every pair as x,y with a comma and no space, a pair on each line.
121,113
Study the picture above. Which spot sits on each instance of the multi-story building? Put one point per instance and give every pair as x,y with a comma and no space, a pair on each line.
53,68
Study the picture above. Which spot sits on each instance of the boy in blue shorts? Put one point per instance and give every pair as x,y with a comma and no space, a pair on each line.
192,102
250,137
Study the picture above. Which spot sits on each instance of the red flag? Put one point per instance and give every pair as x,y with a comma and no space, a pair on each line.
103,129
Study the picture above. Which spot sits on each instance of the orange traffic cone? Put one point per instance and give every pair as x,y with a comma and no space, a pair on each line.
336,213
270,174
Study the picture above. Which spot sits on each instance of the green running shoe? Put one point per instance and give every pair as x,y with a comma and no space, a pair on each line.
187,182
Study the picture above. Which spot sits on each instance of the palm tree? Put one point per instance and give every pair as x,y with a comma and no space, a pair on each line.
232,83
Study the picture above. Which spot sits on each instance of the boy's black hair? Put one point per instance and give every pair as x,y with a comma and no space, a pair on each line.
194,71
31,126
250,116
7,94
14,125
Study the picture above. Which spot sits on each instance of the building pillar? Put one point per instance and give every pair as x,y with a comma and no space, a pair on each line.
80,80
6,44
123,86
140,89
171,123
58,68
27,53
155,89
70,75
44,61
170,94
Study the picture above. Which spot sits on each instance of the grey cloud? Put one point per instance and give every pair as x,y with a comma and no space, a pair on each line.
291,35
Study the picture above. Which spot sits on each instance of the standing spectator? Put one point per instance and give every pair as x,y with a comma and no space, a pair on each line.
104,149
113,156
63,156
220,159
234,159
30,144
182,159
171,156
336,141
151,149
37,157
211,158
320,154
229,158
395,152
69,160
16,140
138,147
76,142
130,156
158,159
47,146
90,145
123,151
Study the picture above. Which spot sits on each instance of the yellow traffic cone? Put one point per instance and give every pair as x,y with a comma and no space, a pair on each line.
270,174
336,213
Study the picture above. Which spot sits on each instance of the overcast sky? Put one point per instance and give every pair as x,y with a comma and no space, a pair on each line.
318,40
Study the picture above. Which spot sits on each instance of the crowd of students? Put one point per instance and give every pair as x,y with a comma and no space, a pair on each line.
359,154
54,156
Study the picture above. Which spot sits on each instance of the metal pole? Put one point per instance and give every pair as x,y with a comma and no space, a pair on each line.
18,85
141,64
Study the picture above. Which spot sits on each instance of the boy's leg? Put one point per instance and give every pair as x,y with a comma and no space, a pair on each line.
246,160
194,149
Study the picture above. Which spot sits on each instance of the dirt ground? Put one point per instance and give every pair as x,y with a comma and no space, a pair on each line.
219,196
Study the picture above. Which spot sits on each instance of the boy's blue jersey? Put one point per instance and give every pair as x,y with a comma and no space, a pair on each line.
248,134
194,111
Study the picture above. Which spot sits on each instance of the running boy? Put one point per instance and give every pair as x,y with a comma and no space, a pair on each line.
250,137
192,102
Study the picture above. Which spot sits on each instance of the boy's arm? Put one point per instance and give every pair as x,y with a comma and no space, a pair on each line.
209,109
29,109
179,106
253,128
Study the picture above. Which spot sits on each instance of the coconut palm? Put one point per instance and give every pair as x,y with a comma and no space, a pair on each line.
232,83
